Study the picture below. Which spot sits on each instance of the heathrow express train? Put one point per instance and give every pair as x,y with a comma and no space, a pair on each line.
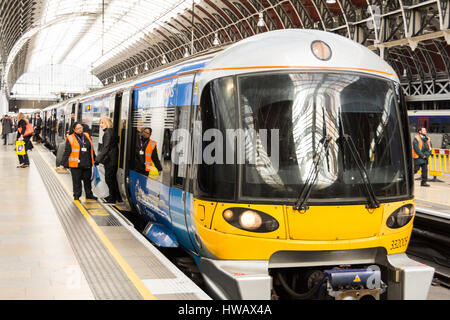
286,166
437,123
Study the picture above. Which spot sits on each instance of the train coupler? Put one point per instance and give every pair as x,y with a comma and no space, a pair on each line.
355,284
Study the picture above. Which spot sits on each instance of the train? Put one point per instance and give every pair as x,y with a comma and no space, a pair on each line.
287,168
437,123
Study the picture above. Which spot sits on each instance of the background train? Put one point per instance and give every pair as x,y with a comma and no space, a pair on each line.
437,123
316,202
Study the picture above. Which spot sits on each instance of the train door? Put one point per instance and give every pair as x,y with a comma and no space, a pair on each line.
121,123
423,122
180,196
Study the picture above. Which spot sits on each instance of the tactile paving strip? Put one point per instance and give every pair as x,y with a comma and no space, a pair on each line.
105,277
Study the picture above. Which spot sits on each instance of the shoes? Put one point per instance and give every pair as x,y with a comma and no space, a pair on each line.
76,198
20,165
25,166
91,198
110,200
425,184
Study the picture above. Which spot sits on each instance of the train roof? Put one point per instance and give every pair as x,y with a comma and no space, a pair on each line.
291,49
288,49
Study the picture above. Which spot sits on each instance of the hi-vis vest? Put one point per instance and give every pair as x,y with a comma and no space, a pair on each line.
148,154
75,155
419,139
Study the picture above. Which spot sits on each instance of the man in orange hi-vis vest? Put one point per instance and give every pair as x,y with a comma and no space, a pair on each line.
421,151
147,153
79,157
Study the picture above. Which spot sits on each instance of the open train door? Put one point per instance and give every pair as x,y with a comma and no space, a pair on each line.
181,199
121,122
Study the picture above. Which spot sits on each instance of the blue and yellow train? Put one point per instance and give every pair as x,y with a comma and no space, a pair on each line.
286,166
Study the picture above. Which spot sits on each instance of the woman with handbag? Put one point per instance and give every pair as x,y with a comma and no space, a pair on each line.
24,133
108,156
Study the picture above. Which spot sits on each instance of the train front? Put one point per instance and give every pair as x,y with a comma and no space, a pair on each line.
305,188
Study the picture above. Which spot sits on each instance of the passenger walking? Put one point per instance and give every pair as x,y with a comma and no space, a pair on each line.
421,152
79,157
7,128
147,153
24,135
108,156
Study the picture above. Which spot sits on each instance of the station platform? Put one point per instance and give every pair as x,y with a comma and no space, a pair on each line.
52,247
433,200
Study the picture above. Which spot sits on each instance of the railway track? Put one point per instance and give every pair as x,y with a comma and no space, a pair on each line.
430,244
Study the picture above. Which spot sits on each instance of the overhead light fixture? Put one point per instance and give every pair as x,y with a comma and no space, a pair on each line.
261,22
331,1
164,61
186,53
216,41
405,73
146,66
136,71
114,78
124,75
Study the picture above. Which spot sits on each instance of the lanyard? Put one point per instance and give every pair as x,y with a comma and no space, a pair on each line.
80,140
143,145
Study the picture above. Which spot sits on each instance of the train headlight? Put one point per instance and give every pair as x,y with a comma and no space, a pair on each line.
401,217
321,50
250,220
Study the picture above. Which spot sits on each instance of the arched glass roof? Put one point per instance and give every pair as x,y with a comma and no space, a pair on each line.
85,33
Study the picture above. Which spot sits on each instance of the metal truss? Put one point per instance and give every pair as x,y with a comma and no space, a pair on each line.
412,35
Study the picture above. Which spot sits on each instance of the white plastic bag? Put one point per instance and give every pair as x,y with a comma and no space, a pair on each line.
100,189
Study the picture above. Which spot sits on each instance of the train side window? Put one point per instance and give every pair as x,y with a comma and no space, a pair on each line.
166,156
181,145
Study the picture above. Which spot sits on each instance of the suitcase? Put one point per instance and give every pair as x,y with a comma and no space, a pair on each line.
11,137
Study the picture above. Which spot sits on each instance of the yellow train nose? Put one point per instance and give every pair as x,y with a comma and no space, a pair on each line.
334,222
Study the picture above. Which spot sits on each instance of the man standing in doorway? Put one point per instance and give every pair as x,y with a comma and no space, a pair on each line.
421,152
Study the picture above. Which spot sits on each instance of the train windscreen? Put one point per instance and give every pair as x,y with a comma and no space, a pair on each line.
286,119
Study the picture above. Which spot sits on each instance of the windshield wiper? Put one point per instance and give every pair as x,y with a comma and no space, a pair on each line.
371,197
300,204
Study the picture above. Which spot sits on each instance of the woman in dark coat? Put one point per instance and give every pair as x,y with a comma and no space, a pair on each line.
108,156
21,128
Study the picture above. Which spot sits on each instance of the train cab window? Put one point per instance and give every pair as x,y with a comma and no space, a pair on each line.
216,177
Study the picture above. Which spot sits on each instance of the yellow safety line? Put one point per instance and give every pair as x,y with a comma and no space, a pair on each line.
145,293
134,278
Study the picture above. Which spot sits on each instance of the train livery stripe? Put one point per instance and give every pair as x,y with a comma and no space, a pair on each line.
300,67
268,67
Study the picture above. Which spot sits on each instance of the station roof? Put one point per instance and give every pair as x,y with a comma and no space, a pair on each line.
116,39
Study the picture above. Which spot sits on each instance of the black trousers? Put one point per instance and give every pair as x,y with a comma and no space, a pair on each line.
79,175
111,181
424,168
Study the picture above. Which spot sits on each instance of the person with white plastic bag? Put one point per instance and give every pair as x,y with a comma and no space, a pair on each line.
99,186
108,156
